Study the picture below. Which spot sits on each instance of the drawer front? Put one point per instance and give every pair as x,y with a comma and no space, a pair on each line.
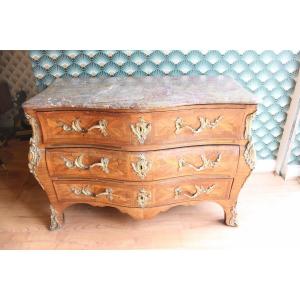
142,166
147,194
141,129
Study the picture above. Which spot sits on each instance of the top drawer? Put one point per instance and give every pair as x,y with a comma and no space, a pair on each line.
125,129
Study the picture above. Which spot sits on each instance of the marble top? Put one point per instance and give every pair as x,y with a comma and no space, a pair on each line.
140,92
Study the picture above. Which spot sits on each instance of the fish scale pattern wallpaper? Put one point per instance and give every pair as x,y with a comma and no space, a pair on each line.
269,75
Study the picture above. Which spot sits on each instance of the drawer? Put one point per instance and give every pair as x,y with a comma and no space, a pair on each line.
142,166
147,194
160,128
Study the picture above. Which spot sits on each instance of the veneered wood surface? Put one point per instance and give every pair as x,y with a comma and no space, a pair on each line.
160,103
162,163
126,193
228,203
162,131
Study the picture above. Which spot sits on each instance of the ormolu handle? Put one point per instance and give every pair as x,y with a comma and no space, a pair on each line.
204,123
87,192
76,127
78,163
206,163
199,190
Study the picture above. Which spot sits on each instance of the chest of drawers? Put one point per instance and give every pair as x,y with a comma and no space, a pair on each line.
141,145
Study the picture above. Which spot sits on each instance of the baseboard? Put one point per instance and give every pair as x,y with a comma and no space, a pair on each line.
292,171
269,165
265,165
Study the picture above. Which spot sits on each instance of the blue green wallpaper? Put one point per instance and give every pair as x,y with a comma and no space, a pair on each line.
269,75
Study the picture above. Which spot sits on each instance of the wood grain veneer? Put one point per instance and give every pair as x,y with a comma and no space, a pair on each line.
213,161
162,127
139,158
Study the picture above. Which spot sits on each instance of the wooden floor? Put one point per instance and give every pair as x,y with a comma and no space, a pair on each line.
268,217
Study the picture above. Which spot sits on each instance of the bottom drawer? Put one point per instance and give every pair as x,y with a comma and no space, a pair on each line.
143,194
